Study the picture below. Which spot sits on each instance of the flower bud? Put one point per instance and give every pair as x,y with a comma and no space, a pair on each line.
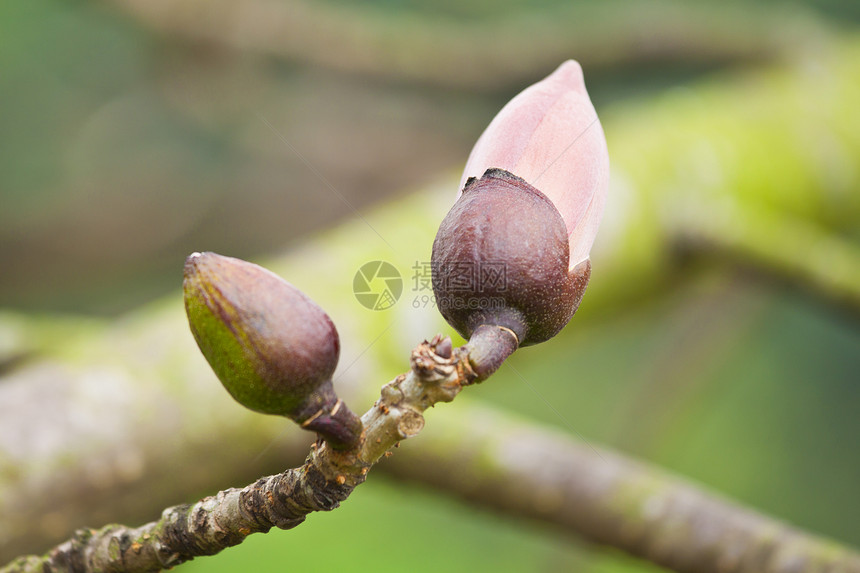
513,251
273,348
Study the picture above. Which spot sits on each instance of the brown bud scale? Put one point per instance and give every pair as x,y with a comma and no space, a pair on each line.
512,241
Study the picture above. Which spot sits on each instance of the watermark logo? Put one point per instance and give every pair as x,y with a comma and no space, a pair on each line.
377,285
463,282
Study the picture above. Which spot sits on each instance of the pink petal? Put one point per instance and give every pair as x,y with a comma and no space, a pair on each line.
550,136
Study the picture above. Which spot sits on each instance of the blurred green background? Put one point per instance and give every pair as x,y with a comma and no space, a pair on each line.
134,132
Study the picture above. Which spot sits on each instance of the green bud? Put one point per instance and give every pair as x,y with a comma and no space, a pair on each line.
272,347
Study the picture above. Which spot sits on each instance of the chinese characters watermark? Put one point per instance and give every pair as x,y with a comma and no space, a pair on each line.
378,285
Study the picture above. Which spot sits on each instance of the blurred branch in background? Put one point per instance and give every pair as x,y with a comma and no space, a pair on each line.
741,153
529,471
794,250
131,131
489,47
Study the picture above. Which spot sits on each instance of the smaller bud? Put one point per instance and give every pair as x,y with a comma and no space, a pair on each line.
272,347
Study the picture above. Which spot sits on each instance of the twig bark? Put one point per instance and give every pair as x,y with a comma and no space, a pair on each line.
326,478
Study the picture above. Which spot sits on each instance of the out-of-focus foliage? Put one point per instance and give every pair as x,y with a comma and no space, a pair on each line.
133,132
121,151
131,135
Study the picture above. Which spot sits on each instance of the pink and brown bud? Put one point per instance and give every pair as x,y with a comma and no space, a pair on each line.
272,347
533,194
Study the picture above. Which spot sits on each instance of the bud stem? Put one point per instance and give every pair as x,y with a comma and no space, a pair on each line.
489,346
339,427
327,415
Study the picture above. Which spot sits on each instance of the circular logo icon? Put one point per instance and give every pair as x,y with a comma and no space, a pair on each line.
377,285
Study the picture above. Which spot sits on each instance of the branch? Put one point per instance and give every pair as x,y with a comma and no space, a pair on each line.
518,468
795,250
283,500
505,464
466,53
